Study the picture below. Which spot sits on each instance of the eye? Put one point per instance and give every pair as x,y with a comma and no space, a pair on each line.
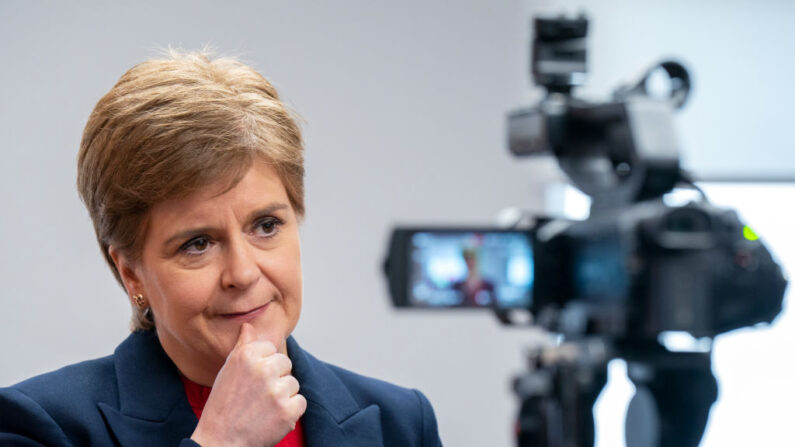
196,246
267,227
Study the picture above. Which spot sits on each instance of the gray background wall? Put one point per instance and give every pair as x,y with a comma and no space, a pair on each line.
403,105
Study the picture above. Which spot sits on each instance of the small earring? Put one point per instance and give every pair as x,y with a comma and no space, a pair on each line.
139,300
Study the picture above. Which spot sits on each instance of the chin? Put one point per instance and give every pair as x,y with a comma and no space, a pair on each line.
275,335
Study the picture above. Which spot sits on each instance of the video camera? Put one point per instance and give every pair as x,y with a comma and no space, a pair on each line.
636,268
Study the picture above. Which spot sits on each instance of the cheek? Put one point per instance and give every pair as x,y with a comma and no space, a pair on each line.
286,273
182,293
289,282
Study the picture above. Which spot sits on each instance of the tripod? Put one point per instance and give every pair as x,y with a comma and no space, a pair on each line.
675,391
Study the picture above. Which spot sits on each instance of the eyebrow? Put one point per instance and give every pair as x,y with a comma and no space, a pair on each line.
185,234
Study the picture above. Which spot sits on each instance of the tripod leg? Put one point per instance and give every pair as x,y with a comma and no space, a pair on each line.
683,390
557,405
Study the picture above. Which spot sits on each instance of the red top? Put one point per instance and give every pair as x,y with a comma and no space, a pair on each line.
197,398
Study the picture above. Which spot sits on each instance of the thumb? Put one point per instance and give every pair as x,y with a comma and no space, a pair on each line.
247,335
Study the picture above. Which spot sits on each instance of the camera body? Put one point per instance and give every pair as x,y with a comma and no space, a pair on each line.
629,273
635,272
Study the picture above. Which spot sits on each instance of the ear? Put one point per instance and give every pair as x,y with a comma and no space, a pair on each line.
126,269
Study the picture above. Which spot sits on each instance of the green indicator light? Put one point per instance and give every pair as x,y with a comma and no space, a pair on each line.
749,234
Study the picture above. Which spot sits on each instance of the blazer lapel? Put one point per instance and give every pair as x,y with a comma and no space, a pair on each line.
153,409
333,417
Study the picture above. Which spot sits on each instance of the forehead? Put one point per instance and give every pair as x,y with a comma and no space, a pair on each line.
259,186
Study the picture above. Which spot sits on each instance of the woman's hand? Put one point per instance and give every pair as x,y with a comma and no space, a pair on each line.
254,401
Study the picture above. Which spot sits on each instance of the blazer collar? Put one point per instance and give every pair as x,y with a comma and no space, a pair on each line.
333,417
153,409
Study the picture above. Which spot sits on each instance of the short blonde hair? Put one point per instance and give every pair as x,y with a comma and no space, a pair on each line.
170,127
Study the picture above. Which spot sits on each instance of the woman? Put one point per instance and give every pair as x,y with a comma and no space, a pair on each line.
192,172
475,290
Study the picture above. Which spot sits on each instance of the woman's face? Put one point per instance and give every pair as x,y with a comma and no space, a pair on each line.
214,260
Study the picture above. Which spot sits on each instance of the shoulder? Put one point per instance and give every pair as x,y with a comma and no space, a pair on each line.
406,415
368,390
51,407
91,378
405,409
336,382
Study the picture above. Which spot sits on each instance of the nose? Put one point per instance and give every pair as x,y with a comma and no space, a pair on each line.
241,269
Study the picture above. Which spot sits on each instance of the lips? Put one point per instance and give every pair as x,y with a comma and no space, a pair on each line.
247,315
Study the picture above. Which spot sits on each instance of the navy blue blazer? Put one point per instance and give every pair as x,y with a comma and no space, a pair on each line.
136,398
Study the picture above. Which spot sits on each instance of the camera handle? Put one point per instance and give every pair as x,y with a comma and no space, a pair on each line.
674,392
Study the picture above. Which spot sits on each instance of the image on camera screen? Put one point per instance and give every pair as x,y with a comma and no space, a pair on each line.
471,269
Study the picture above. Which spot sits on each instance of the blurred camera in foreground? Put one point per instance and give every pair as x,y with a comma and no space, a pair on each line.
610,285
